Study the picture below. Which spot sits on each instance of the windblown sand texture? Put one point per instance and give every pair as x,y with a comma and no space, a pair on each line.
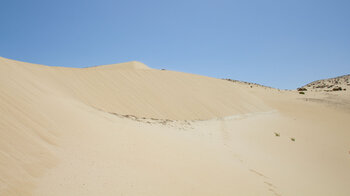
127,129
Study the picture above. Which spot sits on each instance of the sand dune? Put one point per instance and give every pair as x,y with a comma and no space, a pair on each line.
127,129
133,88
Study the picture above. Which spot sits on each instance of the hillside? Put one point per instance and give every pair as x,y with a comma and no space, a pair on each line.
330,84
332,92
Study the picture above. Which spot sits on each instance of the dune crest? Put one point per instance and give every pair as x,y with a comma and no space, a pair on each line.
126,65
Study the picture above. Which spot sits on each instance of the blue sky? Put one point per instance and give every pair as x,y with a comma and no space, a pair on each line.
282,44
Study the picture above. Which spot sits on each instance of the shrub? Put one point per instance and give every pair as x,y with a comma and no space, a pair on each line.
302,93
338,88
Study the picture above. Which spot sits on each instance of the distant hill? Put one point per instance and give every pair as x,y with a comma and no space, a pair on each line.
331,84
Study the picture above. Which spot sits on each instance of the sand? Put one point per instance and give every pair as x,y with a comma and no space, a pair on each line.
127,129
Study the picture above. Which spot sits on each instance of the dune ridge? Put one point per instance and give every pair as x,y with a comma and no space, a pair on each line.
127,65
134,89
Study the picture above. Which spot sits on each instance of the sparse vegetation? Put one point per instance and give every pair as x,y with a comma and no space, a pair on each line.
302,93
330,84
293,139
247,83
277,134
337,88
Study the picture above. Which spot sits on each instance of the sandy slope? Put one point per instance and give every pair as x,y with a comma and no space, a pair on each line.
136,90
64,131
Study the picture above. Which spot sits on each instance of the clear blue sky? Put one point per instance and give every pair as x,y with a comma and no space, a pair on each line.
280,43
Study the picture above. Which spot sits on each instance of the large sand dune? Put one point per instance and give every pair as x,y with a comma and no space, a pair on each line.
127,129
133,88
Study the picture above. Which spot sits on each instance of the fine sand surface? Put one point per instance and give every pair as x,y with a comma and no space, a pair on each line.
127,129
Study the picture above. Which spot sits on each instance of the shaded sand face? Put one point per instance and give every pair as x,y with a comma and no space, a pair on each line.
126,129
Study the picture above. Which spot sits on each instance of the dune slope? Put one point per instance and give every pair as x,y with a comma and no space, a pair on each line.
34,98
134,89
